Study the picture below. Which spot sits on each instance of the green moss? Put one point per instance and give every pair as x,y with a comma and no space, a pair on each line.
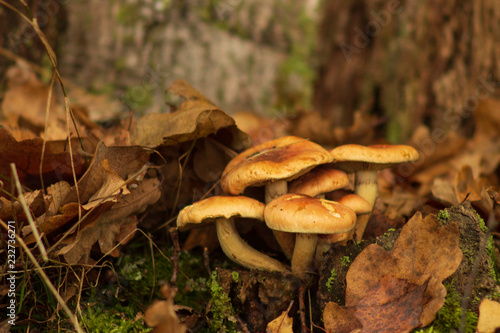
492,262
222,317
443,215
345,261
331,279
236,276
449,316
482,225
97,317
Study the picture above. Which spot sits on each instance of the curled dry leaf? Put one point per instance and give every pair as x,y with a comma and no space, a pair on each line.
195,118
282,324
120,160
161,314
424,251
113,222
27,155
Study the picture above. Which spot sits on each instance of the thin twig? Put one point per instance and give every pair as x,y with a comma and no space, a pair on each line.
45,278
34,227
174,234
207,261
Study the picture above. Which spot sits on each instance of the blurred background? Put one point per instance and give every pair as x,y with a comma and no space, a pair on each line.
394,63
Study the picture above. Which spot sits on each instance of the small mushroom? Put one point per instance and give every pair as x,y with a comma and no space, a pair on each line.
365,162
307,217
319,181
222,209
272,164
360,206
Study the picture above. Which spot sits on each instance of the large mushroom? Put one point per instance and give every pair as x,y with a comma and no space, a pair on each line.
222,209
272,164
307,217
365,161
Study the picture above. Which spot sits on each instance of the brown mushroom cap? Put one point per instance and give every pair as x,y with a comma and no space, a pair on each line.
221,206
319,180
353,157
358,204
303,214
221,209
285,158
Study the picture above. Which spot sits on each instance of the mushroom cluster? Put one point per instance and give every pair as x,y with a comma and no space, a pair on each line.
296,173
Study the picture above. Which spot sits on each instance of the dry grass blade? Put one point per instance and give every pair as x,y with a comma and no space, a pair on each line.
33,226
47,281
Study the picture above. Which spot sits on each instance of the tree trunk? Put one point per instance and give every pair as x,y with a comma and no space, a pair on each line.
411,61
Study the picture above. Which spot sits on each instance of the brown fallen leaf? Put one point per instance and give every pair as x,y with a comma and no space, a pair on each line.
394,305
119,160
108,229
423,251
465,185
210,158
487,119
489,316
444,190
195,118
27,97
161,314
26,155
340,319
282,324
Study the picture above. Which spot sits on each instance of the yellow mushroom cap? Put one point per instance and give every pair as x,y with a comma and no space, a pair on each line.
358,204
304,214
319,180
353,157
220,206
285,158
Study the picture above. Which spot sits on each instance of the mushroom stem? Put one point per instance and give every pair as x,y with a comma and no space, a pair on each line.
286,240
365,187
325,243
240,252
303,254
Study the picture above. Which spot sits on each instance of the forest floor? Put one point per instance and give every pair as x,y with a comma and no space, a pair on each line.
89,241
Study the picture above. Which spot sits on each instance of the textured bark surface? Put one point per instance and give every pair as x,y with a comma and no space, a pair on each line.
412,61
230,50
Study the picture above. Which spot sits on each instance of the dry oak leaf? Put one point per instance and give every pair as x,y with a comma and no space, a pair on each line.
195,118
120,161
340,319
27,97
424,251
393,305
26,155
161,314
109,228
282,324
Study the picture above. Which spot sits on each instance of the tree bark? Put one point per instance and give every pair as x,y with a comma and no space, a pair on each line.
411,61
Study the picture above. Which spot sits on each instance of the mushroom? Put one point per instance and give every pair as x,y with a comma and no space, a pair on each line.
272,164
365,162
222,209
319,181
360,206
307,217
